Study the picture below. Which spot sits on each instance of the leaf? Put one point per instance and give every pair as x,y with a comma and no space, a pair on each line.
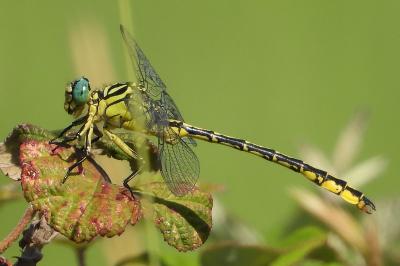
186,221
8,165
299,245
9,149
338,220
350,140
85,205
296,248
364,172
302,236
232,254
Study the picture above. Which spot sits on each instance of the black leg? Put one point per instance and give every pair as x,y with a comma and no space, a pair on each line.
80,161
128,179
74,123
100,169
98,134
65,140
72,167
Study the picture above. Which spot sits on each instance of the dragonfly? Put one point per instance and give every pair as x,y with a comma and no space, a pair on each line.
146,107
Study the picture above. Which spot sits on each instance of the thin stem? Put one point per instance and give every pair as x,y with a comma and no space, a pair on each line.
14,234
80,254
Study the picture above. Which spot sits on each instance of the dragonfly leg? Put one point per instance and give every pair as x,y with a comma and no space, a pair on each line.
85,151
98,134
121,144
129,178
100,169
72,167
73,124
131,153
65,141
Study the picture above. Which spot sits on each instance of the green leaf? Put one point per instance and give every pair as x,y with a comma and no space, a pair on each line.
299,245
85,205
25,132
232,254
186,221
303,235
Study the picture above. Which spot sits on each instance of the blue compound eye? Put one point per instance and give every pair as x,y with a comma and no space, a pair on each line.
80,91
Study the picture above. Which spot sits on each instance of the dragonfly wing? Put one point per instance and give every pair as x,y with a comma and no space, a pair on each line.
145,72
158,100
172,112
180,166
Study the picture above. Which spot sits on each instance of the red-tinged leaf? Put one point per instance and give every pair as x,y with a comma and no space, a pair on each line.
85,205
9,149
186,221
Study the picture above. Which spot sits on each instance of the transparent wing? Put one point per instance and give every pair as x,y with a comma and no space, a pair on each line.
179,166
145,72
172,112
159,104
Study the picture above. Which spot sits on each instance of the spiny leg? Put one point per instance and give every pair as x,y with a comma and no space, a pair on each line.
131,153
72,167
87,122
80,161
98,134
66,140
100,169
103,173
85,150
73,124
86,156
129,178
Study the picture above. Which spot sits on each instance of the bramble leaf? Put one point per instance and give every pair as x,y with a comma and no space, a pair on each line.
8,165
9,149
85,205
186,221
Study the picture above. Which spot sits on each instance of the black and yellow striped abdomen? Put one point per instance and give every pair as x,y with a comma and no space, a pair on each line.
318,176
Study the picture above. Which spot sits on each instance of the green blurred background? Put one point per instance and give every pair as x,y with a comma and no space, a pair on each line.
278,73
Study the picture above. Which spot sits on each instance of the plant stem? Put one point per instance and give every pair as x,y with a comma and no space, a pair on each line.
80,254
14,234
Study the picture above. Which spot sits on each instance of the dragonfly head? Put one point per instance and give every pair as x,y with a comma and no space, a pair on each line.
77,94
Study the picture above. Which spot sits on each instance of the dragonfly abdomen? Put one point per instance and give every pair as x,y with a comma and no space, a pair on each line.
317,176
